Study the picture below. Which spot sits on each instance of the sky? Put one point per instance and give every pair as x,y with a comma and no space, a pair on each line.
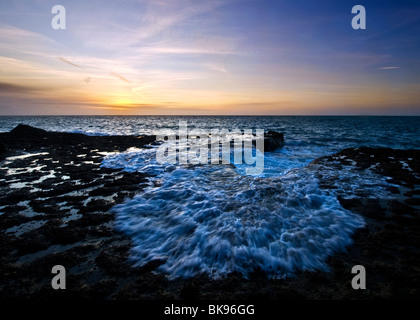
209,57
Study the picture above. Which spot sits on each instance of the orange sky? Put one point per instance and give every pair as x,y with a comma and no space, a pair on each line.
209,57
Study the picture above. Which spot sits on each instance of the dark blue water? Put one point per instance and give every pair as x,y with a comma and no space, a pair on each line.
307,137
335,131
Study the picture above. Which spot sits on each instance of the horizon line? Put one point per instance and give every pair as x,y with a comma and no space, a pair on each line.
210,115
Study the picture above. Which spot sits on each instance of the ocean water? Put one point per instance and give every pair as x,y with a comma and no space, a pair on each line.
215,219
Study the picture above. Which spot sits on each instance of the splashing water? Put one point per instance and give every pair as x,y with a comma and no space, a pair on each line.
211,219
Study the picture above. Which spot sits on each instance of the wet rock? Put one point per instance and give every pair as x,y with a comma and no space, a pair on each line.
113,264
2,150
189,291
80,234
273,140
28,131
99,205
400,165
151,266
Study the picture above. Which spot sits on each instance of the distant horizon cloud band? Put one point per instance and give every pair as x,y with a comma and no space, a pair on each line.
211,57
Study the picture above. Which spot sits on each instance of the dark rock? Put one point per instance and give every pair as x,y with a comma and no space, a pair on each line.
189,291
99,205
25,130
2,150
96,255
413,201
111,263
151,265
402,166
273,140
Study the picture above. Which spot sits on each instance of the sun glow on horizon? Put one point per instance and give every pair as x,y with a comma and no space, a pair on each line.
209,57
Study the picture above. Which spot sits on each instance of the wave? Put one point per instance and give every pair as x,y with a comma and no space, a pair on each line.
211,219
91,133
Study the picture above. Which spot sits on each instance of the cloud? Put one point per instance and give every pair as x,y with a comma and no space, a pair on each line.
14,88
125,106
15,41
202,45
70,63
18,35
388,68
120,77
108,108
153,18
157,23
186,50
216,67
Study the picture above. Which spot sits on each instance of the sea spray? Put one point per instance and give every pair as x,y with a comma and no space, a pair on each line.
211,219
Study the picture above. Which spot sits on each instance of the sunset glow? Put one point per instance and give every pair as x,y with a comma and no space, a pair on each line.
209,57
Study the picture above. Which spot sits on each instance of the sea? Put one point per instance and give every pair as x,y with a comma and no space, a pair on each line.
214,219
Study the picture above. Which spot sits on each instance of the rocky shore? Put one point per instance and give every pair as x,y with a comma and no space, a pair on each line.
55,206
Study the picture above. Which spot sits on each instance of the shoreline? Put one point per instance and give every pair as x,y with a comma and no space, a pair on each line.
66,220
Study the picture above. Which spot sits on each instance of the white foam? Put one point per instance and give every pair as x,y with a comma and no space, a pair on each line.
92,132
406,166
26,155
211,219
135,160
